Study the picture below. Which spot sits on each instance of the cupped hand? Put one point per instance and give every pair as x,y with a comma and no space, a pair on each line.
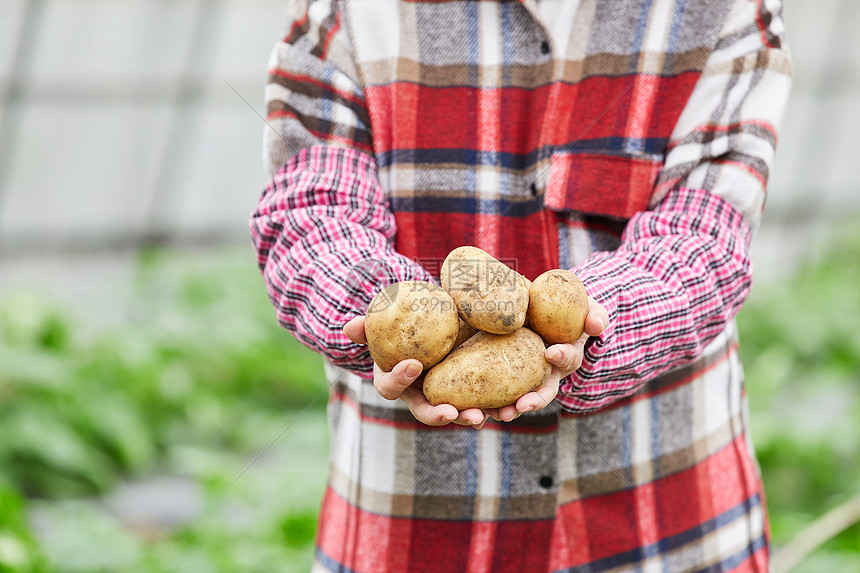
565,359
404,382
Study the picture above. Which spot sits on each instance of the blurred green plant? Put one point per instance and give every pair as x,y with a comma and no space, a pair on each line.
198,354
263,522
189,376
800,343
18,550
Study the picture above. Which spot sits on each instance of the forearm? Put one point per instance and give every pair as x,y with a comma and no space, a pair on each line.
682,273
322,233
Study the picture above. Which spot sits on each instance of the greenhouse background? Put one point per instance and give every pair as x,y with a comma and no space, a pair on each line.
152,415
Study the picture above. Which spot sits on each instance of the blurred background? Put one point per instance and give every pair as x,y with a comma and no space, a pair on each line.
153,417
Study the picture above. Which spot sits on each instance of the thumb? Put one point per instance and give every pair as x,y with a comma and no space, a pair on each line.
597,318
354,330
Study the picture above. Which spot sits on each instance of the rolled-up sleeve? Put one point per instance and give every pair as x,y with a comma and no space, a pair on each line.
683,268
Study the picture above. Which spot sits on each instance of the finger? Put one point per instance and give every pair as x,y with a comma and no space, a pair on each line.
566,357
471,417
509,413
391,385
542,396
470,420
424,411
597,318
354,330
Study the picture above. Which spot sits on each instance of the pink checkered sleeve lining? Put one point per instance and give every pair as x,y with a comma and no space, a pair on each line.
323,235
680,275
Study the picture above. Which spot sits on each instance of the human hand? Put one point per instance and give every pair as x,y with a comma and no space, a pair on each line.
404,381
565,359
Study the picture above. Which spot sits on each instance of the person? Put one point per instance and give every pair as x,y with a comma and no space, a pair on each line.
627,140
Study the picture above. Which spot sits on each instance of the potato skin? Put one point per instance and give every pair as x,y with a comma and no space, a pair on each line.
411,319
489,371
489,295
558,305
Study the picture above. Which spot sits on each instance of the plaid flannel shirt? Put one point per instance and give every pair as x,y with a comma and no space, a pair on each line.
627,140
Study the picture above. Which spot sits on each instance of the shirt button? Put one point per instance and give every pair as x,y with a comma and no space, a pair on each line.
545,482
533,189
544,47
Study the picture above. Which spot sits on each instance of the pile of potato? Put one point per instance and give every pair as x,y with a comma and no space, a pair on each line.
482,336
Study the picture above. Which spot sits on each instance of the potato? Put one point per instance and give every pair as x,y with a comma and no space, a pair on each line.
489,371
558,305
489,295
411,319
